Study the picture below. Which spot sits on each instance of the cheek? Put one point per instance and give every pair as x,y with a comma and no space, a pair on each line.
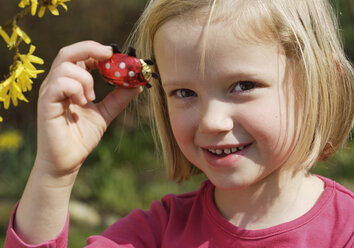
182,126
270,127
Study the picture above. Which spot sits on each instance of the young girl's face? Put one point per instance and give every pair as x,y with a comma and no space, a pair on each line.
234,121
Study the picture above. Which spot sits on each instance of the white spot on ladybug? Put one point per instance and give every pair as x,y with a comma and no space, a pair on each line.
108,66
131,74
117,74
126,84
122,65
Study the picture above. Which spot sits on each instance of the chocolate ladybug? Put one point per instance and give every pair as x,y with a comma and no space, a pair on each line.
126,69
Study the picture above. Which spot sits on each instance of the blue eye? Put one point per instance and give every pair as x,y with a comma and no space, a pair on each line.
183,93
244,86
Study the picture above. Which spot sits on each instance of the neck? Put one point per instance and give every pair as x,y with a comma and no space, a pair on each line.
279,198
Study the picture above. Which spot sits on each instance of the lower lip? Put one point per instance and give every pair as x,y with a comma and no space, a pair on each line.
225,161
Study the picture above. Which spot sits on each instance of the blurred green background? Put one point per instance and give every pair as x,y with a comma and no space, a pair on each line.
124,171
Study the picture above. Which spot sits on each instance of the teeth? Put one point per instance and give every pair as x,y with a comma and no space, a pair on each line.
219,152
226,151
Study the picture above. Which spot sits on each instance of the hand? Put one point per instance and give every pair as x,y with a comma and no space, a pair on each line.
70,125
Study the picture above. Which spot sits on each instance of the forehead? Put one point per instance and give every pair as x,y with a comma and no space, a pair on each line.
181,43
251,20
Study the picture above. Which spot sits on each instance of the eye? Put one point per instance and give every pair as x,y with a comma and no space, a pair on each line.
183,93
244,86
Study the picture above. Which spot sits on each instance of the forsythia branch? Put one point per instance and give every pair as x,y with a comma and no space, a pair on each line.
22,71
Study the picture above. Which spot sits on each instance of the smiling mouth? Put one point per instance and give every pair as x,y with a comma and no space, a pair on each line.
227,151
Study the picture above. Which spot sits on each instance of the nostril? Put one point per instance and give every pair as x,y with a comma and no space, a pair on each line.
216,116
215,125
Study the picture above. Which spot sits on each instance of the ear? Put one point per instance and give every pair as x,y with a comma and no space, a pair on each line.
115,48
338,65
339,68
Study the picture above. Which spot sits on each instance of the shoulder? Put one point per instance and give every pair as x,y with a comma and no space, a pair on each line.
337,211
337,215
338,195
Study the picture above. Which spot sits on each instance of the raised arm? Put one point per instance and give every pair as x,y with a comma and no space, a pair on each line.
70,125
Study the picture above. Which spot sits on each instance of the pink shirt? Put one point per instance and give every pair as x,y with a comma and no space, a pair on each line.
192,220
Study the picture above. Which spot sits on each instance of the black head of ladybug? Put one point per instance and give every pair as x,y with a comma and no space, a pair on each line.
146,63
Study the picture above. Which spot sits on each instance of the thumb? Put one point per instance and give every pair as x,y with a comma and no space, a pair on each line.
116,101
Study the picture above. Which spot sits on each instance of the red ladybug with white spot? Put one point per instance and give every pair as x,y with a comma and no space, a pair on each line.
127,70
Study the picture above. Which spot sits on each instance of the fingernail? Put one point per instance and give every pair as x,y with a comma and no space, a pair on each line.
92,95
83,100
108,50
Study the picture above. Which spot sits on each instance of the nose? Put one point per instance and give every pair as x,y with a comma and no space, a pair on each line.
216,117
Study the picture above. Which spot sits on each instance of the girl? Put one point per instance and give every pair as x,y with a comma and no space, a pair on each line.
252,93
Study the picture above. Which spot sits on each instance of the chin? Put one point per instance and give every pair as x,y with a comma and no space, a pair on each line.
231,183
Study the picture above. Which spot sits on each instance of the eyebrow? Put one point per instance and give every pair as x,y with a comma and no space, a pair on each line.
225,76
174,83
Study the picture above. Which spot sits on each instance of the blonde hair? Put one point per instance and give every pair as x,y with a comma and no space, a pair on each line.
307,31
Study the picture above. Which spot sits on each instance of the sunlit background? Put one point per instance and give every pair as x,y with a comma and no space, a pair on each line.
124,171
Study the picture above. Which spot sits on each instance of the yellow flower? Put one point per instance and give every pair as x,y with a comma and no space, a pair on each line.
25,3
9,90
29,71
16,32
10,140
50,4
4,35
30,58
20,79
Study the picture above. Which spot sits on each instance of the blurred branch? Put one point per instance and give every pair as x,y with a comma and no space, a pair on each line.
22,70
17,17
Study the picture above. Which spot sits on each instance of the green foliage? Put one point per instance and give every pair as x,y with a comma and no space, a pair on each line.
79,234
16,164
340,167
124,172
121,174
345,12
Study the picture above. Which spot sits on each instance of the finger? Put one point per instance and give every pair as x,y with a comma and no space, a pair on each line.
116,101
79,74
82,51
88,64
66,88
81,64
